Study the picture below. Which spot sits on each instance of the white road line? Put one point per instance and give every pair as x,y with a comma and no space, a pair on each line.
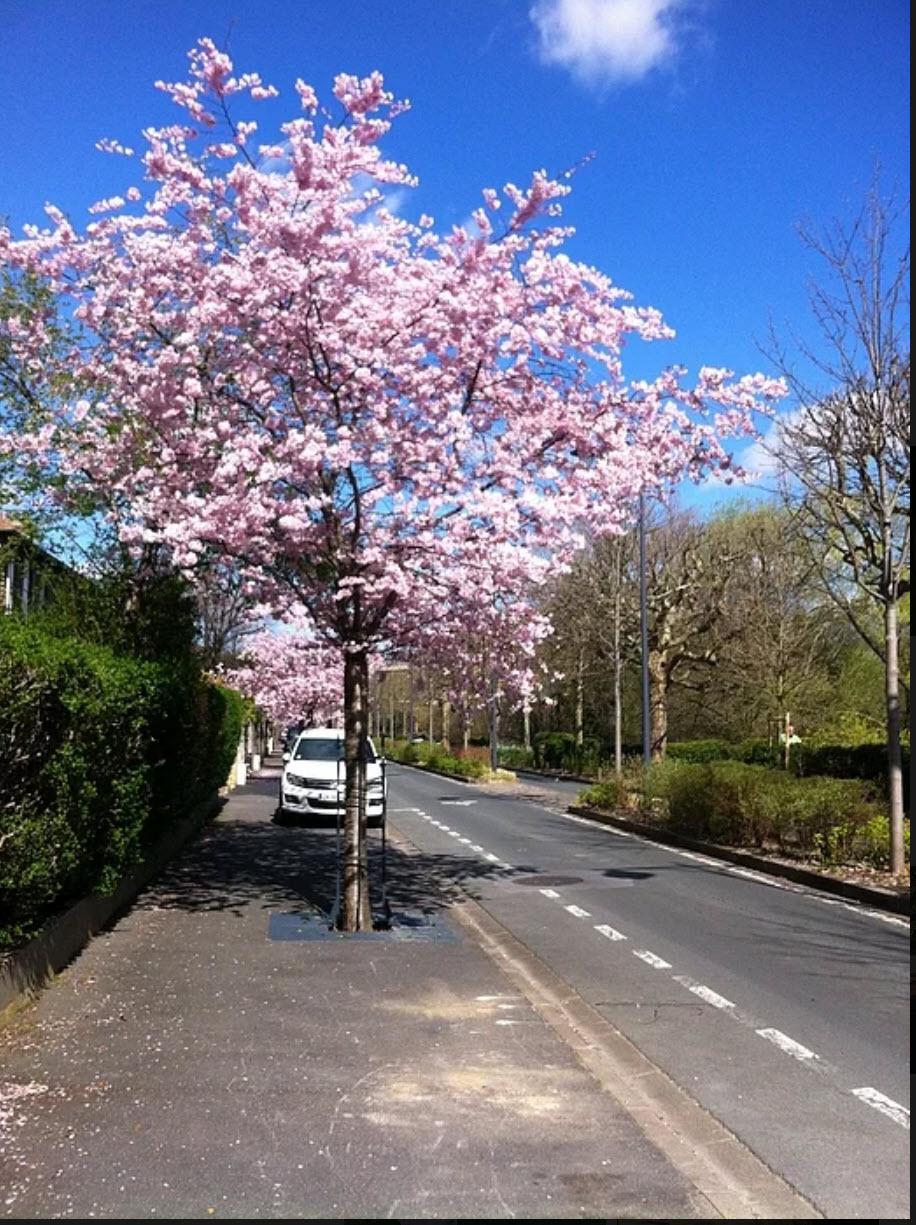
611,932
466,841
759,877
704,993
787,1044
704,859
790,887
508,866
453,833
578,912
651,959
551,893
886,1105
492,858
476,847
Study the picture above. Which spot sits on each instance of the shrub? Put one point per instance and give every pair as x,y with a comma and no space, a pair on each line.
515,757
100,751
829,819
559,751
436,757
863,761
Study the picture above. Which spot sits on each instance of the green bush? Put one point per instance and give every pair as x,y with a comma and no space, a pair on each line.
752,752
436,758
100,751
515,757
559,751
863,761
831,820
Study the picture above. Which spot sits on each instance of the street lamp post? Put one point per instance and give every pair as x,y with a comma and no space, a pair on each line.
644,634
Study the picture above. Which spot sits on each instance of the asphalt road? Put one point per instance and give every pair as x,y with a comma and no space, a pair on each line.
785,1013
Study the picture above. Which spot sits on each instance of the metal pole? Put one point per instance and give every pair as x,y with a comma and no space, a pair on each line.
644,631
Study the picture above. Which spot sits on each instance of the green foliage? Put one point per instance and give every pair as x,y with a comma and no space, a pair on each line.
436,758
516,757
100,752
752,752
559,751
864,761
832,820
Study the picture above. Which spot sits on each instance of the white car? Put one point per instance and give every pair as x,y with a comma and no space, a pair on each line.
312,783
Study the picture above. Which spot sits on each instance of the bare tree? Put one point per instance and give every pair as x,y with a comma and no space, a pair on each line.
223,610
690,572
780,642
844,452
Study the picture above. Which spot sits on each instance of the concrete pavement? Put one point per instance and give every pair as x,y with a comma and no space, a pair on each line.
202,1059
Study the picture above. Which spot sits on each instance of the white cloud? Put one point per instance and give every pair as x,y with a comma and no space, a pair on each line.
605,42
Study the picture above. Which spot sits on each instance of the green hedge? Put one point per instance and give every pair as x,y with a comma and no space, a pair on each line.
100,751
863,761
751,752
435,757
831,820
516,757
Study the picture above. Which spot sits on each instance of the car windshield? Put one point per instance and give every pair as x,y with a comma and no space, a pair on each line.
315,749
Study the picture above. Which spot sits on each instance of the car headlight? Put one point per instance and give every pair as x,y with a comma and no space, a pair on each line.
297,780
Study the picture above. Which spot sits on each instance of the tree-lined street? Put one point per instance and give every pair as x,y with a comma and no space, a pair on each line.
415,421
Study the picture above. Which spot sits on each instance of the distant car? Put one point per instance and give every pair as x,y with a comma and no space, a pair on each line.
312,782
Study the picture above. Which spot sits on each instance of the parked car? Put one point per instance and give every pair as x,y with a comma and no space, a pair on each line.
312,782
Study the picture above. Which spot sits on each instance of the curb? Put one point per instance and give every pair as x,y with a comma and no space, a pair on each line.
26,970
881,899
558,776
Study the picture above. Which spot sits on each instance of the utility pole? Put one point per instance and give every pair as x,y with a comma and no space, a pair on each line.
644,634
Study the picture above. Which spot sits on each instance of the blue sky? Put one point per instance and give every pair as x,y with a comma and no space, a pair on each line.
717,124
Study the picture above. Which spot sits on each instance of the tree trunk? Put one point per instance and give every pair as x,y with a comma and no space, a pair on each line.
618,668
526,717
432,718
894,764
446,712
658,704
356,912
411,709
580,701
493,719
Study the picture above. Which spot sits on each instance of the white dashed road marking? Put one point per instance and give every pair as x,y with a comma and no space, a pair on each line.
787,1044
886,1105
611,932
578,912
552,893
652,959
492,858
704,993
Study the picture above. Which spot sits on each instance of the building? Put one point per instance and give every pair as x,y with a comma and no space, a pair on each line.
27,572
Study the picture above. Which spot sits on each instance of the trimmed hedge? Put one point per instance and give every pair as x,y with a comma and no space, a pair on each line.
863,761
831,820
99,753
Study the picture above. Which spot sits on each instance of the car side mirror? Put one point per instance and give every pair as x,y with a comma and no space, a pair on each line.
287,757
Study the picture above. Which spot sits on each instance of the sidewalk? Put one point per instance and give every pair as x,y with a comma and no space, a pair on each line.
201,1060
